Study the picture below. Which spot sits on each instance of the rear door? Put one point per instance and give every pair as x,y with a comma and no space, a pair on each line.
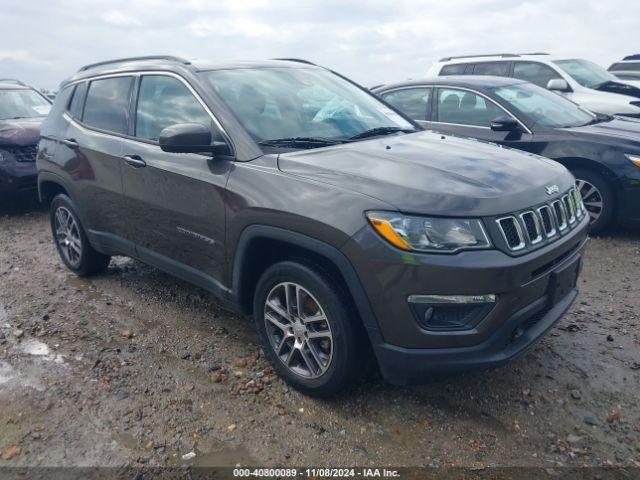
469,114
176,200
91,154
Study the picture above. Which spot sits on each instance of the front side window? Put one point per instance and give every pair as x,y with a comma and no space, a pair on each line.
22,103
282,103
534,72
586,73
107,104
466,108
164,101
413,102
497,69
542,106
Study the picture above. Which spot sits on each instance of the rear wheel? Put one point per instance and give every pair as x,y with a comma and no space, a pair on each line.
307,329
71,240
597,197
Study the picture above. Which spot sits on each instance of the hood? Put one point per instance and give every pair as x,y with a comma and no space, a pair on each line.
433,174
622,88
604,102
20,132
618,131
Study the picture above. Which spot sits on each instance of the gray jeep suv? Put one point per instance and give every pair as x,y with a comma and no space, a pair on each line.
294,194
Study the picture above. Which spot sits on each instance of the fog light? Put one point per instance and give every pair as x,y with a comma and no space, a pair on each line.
450,312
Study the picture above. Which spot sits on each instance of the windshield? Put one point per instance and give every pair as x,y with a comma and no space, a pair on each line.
586,73
22,104
543,107
310,103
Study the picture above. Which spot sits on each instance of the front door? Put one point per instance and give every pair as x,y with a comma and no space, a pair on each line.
176,199
468,114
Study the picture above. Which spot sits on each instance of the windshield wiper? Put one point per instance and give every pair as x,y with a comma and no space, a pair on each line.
300,141
374,132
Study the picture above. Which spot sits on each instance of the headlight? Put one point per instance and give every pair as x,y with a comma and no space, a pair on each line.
635,159
425,234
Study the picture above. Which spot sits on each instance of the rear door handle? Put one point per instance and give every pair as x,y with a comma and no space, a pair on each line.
70,142
135,161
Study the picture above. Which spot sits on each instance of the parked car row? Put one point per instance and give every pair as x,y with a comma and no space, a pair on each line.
602,151
351,224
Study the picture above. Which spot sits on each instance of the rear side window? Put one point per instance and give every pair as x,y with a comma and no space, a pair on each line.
77,101
498,69
413,102
107,104
164,101
625,67
534,72
466,108
455,69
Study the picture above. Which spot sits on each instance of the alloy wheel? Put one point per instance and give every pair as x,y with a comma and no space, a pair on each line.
298,330
68,236
591,197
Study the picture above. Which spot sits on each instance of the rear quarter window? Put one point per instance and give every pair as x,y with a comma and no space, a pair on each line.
77,100
107,104
456,69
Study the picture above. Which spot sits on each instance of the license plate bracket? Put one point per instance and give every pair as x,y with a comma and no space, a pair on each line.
562,281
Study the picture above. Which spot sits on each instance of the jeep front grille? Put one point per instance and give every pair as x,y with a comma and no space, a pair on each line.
512,233
531,227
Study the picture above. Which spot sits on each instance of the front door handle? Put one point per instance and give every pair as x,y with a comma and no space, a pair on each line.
135,161
70,142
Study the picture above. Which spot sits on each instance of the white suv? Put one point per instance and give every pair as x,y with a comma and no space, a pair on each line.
581,81
628,70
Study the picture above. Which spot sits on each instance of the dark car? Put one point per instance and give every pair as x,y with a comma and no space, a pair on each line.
295,195
22,110
603,152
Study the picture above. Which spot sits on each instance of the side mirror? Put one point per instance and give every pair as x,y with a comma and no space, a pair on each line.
558,85
190,138
505,124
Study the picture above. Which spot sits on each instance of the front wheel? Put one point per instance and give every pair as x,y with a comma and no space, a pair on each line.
71,240
307,329
597,197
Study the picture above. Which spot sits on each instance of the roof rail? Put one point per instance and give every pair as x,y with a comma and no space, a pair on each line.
501,55
632,57
169,58
13,80
298,60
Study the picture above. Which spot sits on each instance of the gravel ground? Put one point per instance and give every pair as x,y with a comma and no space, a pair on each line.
134,367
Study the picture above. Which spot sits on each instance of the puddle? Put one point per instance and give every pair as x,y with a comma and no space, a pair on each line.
85,286
7,373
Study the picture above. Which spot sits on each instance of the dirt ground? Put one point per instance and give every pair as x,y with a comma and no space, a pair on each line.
134,367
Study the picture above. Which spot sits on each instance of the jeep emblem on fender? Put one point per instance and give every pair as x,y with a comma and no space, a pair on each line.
551,189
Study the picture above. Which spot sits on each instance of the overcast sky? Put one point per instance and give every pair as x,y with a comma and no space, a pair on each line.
44,41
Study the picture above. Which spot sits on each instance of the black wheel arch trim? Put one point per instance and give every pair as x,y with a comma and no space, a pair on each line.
331,253
45,177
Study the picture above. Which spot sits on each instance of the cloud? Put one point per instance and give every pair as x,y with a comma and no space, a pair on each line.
120,19
371,41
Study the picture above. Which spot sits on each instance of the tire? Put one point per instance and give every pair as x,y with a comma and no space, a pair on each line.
71,240
312,368
601,217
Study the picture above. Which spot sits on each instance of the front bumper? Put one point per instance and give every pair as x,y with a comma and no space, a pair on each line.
527,303
18,178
